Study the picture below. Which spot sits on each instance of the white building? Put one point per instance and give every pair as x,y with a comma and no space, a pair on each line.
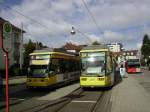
115,47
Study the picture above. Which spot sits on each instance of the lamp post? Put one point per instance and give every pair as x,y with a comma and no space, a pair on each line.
73,31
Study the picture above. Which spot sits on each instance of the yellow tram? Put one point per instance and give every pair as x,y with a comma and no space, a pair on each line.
98,67
49,67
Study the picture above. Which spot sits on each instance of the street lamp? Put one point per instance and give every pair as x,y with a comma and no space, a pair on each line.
74,30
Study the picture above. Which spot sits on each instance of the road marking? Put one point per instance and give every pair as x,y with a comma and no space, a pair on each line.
77,101
17,99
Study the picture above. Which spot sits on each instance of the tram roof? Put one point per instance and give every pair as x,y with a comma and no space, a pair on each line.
51,50
95,47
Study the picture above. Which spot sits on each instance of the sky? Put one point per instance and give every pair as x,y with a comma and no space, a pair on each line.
106,21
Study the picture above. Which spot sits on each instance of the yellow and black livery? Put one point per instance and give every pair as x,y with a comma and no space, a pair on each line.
52,66
97,66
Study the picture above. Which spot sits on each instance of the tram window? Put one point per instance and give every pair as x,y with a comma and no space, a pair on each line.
109,65
71,67
74,65
62,67
65,65
55,66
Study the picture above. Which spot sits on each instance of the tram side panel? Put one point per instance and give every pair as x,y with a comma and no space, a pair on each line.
62,73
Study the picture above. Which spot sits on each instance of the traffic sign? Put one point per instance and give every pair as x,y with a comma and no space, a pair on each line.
7,28
7,33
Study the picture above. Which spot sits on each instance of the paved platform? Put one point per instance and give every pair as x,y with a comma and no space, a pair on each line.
130,96
16,80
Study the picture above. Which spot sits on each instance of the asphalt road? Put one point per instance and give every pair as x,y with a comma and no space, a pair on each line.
143,79
51,100
25,100
40,100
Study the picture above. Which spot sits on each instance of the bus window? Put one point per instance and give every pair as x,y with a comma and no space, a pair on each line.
133,65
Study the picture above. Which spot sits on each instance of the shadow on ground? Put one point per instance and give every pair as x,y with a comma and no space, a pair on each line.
118,78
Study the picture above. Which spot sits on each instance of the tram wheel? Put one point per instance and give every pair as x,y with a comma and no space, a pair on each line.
84,88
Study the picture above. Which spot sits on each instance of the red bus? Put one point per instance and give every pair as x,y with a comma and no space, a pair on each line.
133,66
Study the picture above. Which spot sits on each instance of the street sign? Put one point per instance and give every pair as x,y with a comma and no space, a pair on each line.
7,28
7,34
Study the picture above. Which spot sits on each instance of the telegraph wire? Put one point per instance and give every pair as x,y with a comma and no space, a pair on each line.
85,35
92,16
24,15
37,22
27,17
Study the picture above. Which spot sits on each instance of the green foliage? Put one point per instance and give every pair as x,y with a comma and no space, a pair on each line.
29,48
39,45
145,49
96,43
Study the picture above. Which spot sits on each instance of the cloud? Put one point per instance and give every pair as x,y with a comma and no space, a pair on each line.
115,36
139,45
51,20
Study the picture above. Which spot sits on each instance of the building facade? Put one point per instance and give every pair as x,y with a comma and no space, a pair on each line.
14,42
125,55
115,47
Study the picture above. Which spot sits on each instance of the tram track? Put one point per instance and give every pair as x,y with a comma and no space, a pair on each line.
42,105
62,101
69,100
93,109
101,102
77,101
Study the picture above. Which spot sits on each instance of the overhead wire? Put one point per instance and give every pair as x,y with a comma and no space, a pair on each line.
92,16
85,35
44,26
29,18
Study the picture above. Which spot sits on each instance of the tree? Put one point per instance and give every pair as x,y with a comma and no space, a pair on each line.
96,43
41,45
145,49
29,48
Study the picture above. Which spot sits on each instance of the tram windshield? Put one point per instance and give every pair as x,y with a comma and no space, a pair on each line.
94,65
38,70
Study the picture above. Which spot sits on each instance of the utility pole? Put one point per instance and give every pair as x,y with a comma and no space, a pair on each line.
21,47
7,29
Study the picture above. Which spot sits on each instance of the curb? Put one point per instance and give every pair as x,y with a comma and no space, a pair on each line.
15,84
